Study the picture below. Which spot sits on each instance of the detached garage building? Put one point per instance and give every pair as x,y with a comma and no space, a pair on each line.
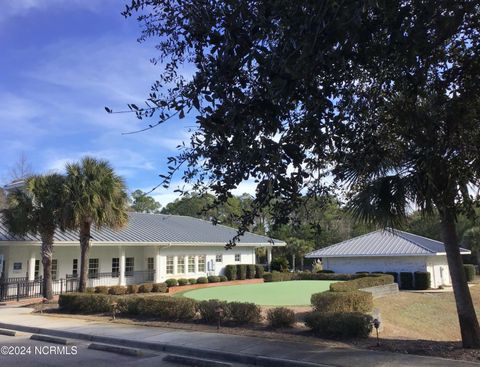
388,251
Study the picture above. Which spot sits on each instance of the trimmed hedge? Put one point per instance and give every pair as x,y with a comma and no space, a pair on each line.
160,288
85,303
166,308
363,282
231,272
276,276
244,312
223,278
213,279
192,281
331,302
259,270
208,311
145,288
117,290
202,280
171,282
132,289
340,325
394,274
242,272
280,317
406,280
326,271
250,271
182,281
102,289
469,272
422,280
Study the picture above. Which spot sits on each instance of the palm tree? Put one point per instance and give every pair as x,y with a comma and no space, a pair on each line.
37,208
94,196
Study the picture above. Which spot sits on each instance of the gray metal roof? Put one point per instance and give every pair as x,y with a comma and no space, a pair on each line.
383,243
155,228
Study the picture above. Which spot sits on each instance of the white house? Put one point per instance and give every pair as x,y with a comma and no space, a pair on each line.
388,251
151,248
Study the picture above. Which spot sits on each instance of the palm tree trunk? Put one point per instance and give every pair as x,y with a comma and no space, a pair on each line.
84,252
467,317
47,254
302,262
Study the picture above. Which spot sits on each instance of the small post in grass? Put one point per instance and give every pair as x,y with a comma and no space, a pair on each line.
376,323
114,309
219,313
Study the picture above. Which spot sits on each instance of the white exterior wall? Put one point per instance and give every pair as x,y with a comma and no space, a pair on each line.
65,255
435,265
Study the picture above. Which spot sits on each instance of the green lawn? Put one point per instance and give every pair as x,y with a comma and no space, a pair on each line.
290,293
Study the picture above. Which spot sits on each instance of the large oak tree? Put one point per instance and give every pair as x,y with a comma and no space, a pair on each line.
385,93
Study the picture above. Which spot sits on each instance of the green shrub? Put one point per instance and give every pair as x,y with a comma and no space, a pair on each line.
360,283
208,311
213,279
394,274
132,289
304,275
242,272
192,281
276,276
117,290
280,317
86,303
259,270
279,264
171,282
325,271
469,272
223,278
250,271
406,280
362,272
90,290
102,289
130,305
244,313
202,280
331,302
231,272
339,325
145,288
168,308
422,280
182,281
160,288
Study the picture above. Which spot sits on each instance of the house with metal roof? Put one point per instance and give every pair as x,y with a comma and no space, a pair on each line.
151,248
388,251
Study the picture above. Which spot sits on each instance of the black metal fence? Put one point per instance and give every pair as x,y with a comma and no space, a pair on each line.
20,288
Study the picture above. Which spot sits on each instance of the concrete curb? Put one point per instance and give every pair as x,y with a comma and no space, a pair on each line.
191,361
8,332
50,339
116,349
168,348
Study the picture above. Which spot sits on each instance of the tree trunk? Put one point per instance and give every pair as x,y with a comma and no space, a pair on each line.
467,317
84,252
47,254
302,263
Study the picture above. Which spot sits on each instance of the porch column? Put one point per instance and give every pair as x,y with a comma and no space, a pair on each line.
121,256
175,265
31,267
185,261
196,264
269,258
156,262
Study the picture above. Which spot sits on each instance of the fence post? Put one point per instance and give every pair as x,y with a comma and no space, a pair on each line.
61,286
18,291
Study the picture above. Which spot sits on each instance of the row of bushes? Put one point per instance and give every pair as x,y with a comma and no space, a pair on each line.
175,309
276,276
131,289
243,271
372,280
201,280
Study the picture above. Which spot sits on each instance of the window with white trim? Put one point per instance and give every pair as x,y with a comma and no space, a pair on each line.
115,267
75,268
169,268
93,268
201,263
54,269
129,266
180,265
219,258
237,257
191,264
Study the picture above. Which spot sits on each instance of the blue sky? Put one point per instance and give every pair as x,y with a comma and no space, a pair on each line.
61,62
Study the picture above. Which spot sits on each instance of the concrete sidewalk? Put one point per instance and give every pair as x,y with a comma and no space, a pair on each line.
242,349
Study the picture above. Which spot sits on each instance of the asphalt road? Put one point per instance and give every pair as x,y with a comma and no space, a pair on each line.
20,351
